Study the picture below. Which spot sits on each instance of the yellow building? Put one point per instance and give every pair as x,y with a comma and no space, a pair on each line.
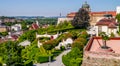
3,29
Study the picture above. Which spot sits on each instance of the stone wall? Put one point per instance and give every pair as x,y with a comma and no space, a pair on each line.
100,59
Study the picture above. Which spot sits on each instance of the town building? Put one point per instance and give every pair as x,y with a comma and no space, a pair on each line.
70,16
118,9
62,20
94,16
3,28
95,55
16,27
34,26
107,25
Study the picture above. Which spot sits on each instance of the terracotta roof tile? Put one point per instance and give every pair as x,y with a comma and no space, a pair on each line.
35,26
112,25
108,22
113,13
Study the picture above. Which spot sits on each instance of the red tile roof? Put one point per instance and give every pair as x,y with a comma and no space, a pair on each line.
14,37
108,22
112,25
113,13
35,26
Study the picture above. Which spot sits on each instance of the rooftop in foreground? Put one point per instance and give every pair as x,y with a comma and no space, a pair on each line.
94,57
113,43
96,42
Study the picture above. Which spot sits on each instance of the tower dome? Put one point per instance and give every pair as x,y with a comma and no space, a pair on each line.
85,5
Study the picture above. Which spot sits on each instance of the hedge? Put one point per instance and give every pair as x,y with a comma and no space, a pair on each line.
42,59
28,63
0,64
56,52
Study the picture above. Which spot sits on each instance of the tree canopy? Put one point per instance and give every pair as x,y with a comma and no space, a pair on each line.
118,19
81,19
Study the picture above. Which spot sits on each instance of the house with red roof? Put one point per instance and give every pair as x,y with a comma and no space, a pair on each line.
34,26
108,25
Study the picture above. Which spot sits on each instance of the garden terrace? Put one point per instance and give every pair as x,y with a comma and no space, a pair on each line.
95,43
93,57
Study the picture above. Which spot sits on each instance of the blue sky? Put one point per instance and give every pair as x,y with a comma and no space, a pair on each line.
51,7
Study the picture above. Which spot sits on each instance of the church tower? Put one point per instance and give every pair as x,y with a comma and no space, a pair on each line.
86,6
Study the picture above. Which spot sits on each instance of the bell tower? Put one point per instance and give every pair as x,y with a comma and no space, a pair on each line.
86,6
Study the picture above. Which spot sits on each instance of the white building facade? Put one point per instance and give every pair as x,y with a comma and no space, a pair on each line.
118,9
62,20
106,25
16,27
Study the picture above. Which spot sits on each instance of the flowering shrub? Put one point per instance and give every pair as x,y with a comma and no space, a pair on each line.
79,42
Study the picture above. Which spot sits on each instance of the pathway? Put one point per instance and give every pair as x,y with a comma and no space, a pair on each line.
57,62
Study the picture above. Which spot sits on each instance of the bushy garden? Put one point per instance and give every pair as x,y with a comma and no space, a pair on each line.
80,21
12,54
74,57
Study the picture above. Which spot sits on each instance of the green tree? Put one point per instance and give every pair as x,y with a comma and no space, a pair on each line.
24,25
13,54
81,19
104,38
29,35
3,33
118,19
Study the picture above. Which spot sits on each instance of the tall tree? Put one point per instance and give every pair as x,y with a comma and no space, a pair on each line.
81,19
13,56
118,19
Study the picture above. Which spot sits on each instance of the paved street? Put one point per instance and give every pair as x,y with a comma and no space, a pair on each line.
57,62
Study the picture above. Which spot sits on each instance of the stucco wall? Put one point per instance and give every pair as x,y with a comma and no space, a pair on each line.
61,20
106,30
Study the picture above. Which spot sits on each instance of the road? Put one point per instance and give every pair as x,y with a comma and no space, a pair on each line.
57,62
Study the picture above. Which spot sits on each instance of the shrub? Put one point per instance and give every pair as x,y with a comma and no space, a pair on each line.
28,63
118,33
79,42
3,33
84,34
112,35
50,44
18,64
42,59
65,60
73,58
62,48
0,63
56,52
68,35
29,35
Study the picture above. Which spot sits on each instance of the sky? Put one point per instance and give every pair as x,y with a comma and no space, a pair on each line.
52,7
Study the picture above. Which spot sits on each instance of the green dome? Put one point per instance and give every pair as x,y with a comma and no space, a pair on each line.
85,5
